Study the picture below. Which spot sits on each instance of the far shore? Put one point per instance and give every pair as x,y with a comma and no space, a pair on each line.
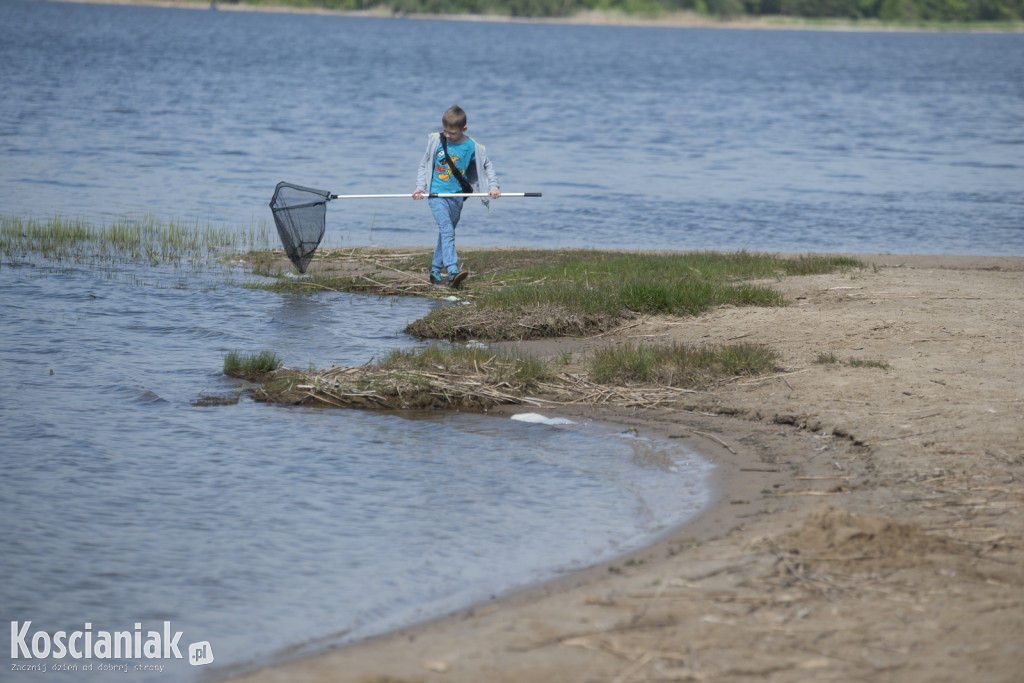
870,509
685,19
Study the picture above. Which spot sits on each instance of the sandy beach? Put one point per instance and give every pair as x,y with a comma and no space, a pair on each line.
868,522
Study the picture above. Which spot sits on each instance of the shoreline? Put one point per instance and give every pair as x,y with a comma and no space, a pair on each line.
854,502
698,525
681,19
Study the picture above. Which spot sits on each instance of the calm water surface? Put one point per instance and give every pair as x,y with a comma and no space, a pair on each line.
261,528
646,138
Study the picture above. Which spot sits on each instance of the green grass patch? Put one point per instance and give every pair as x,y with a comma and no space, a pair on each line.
590,288
608,283
590,269
678,364
250,366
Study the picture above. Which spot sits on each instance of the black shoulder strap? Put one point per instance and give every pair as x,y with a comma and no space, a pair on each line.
463,183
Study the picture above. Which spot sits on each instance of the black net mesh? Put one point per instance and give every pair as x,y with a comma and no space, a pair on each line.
300,214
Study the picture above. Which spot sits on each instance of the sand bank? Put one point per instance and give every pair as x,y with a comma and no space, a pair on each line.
869,522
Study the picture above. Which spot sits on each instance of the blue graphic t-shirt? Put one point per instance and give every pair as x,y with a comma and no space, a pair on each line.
462,154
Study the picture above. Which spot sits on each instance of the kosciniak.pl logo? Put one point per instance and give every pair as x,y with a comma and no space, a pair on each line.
87,644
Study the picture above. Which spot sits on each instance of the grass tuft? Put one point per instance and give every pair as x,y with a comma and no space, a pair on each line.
594,289
250,366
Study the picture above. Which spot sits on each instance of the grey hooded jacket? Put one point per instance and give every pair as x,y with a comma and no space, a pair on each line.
481,168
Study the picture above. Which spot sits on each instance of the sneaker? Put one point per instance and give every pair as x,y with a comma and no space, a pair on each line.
435,278
455,281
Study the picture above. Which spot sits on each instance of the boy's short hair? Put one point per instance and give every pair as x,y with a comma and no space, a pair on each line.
454,117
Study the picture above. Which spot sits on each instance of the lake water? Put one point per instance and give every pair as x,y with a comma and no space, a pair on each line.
264,529
638,137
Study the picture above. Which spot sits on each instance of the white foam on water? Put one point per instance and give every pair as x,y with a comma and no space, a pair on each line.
537,418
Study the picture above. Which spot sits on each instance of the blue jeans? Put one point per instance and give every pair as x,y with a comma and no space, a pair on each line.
447,211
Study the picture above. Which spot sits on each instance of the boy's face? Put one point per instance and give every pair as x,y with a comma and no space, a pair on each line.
454,133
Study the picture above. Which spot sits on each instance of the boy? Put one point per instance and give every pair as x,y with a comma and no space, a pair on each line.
452,147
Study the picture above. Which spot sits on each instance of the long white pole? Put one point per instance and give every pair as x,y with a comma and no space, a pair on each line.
431,195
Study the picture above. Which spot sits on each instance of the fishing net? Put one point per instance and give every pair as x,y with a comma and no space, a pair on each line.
300,214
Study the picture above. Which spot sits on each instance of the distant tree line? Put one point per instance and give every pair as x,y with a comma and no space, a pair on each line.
884,10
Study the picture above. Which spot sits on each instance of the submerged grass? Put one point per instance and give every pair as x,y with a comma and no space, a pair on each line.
127,239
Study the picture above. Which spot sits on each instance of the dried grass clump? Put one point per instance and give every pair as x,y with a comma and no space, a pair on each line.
463,378
435,377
